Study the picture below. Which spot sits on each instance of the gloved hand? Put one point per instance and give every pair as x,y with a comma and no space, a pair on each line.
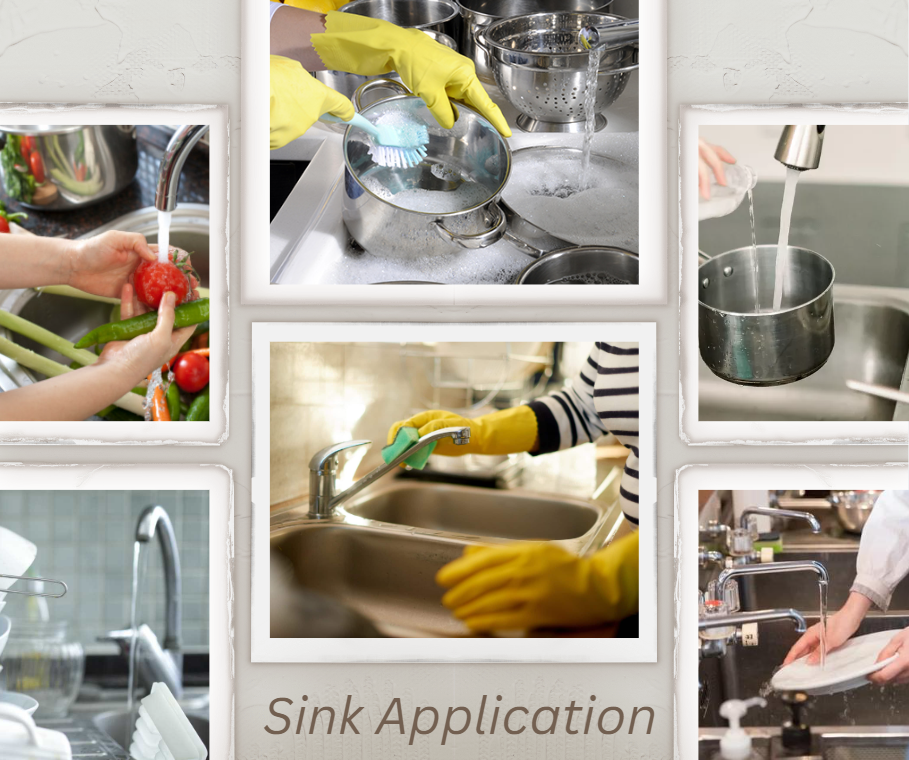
318,6
298,99
541,585
369,46
507,432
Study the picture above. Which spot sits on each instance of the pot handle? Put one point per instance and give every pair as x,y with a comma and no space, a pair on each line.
481,239
376,84
479,39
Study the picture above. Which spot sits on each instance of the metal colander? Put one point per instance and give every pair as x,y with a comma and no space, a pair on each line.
540,66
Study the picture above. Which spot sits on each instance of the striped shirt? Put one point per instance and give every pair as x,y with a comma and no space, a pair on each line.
602,399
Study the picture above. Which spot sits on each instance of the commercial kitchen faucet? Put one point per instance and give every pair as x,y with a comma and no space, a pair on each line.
758,616
324,466
777,512
609,34
186,136
793,566
158,663
800,146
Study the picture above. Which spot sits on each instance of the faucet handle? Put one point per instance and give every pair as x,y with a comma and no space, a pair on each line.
323,461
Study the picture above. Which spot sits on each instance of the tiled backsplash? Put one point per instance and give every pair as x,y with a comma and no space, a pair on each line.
324,393
85,538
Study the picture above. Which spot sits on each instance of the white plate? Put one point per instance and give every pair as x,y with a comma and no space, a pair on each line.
847,668
23,701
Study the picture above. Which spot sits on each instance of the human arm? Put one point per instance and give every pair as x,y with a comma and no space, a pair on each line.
882,558
710,161
290,34
840,628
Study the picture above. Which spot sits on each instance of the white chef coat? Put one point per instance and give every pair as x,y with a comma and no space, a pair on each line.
883,558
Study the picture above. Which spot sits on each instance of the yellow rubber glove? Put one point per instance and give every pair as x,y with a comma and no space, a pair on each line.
507,432
526,586
369,46
319,6
298,99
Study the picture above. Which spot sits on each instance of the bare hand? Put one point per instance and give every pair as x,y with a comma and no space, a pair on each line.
710,159
145,353
898,670
102,265
840,627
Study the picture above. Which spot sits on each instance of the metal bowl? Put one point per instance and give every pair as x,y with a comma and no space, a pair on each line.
853,508
347,84
83,164
540,66
437,15
748,346
476,15
583,265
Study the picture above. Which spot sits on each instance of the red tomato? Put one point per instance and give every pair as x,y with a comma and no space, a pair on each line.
191,372
4,225
37,167
154,279
26,145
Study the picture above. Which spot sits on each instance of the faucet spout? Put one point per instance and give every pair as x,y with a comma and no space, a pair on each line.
154,521
322,468
812,566
609,35
800,146
758,616
175,155
775,512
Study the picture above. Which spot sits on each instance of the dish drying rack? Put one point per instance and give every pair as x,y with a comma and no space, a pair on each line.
29,579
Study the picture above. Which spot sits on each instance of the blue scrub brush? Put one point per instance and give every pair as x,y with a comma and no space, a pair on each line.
399,146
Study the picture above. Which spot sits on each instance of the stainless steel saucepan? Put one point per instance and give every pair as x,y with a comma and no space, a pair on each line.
745,342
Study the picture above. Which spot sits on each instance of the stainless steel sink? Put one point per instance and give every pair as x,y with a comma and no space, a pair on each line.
745,671
836,742
116,725
74,317
387,576
872,345
379,555
469,511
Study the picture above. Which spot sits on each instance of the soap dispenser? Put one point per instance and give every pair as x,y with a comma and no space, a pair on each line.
736,743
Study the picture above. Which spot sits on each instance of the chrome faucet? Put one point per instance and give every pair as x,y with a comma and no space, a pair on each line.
758,616
776,512
324,466
800,146
158,663
186,136
740,541
794,566
609,35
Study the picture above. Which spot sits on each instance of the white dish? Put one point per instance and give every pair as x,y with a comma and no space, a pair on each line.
23,701
16,556
724,199
847,668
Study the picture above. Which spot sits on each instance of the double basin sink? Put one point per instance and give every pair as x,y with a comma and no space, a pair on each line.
380,552
872,345
72,318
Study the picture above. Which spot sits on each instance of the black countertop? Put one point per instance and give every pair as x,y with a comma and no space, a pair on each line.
140,193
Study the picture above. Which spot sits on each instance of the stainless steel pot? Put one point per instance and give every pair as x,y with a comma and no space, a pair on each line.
82,164
476,15
583,265
540,66
471,154
853,508
750,347
436,15
347,84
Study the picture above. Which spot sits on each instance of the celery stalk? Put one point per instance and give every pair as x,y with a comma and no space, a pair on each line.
66,290
46,338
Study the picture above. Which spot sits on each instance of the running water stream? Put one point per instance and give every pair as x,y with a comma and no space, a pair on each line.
822,590
782,250
140,562
754,256
164,218
590,100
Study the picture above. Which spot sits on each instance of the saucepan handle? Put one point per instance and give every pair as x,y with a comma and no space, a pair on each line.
480,239
376,84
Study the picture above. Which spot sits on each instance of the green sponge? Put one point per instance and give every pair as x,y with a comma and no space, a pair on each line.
404,439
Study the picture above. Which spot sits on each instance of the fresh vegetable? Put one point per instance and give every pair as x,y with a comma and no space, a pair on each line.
186,314
155,278
18,183
30,360
159,410
80,172
64,174
119,415
6,217
66,290
201,340
198,409
173,401
191,372
45,338
26,146
37,166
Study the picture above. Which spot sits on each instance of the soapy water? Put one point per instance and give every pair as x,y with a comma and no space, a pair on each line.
464,196
589,278
164,219
782,250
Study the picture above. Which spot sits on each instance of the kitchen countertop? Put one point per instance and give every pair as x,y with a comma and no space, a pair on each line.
140,193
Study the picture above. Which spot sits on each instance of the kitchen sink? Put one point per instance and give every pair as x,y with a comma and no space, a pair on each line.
116,725
745,672
836,743
74,317
384,575
872,345
514,514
